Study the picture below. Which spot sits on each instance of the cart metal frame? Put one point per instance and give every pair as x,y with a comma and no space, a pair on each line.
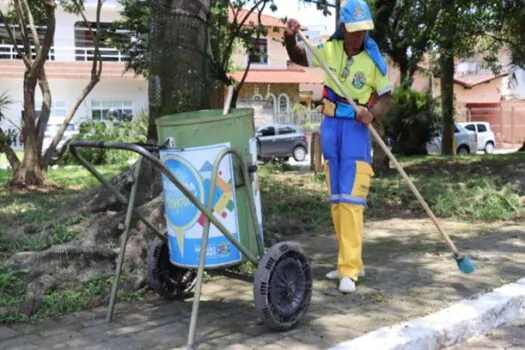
146,151
283,280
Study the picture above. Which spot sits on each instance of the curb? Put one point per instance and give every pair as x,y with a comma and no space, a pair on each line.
448,327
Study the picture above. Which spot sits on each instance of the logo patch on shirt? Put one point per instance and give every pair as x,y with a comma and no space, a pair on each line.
359,80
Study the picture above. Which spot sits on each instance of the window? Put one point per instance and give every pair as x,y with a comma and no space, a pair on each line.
470,127
260,52
110,38
482,128
283,103
105,110
268,131
58,109
286,130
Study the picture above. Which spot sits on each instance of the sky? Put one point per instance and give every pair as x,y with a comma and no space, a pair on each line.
306,14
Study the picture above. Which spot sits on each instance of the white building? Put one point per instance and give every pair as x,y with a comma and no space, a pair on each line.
69,69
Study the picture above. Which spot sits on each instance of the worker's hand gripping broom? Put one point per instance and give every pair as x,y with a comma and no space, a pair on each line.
465,264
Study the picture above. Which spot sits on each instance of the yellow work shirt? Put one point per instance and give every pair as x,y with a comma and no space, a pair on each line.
361,77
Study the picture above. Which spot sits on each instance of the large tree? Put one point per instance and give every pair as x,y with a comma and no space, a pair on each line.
228,25
28,16
403,30
460,32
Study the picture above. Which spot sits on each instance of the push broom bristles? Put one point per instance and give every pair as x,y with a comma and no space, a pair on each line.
465,264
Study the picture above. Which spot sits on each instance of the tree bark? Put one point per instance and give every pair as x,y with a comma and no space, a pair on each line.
180,70
96,72
447,78
30,172
13,160
337,11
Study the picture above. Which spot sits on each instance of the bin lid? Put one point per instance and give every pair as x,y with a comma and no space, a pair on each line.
202,116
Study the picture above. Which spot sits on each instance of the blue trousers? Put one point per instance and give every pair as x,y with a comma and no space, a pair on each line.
346,148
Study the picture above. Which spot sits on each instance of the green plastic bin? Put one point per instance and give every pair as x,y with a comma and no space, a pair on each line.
198,137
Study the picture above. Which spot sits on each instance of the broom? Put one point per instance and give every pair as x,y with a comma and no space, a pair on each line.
465,263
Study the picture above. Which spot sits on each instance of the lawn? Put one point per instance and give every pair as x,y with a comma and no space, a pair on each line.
34,210
474,188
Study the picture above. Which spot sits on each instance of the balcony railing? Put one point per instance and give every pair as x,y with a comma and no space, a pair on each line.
9,52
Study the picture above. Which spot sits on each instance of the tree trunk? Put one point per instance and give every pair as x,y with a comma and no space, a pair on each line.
29,172
337,11
447,78
180,67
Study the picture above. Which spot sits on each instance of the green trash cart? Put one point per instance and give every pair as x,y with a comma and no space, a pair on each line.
213,217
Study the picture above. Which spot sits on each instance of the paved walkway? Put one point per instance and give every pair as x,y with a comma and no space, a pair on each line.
409,275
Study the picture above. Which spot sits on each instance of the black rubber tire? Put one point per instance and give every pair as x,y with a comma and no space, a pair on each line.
489,147
463,147
283,286
165,279
296,158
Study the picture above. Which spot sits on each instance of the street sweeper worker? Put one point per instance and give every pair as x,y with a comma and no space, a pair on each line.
355,59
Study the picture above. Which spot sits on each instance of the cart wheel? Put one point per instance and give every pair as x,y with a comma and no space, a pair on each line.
283,286
163,277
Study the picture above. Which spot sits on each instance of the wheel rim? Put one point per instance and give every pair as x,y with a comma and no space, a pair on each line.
489,148
288,287
462,151
174,280
299,153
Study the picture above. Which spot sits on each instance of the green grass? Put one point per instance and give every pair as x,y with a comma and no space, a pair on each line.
472,188
475,188
38,206
34,210
52,304
57,302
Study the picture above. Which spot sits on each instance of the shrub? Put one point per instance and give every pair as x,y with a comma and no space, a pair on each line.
110,131
412,122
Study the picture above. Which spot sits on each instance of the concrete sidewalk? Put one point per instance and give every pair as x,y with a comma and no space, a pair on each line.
409,275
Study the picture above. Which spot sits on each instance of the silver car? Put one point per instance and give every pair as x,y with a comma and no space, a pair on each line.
486,140
465,141
281,141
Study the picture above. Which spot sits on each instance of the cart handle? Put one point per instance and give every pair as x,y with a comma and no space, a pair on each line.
134,147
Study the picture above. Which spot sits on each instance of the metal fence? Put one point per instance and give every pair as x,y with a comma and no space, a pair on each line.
309,121
60,53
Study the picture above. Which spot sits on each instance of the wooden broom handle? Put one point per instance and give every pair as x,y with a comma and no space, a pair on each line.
381,143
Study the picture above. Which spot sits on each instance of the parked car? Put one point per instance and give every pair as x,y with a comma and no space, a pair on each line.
465,141
53,125
486,140
281,141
